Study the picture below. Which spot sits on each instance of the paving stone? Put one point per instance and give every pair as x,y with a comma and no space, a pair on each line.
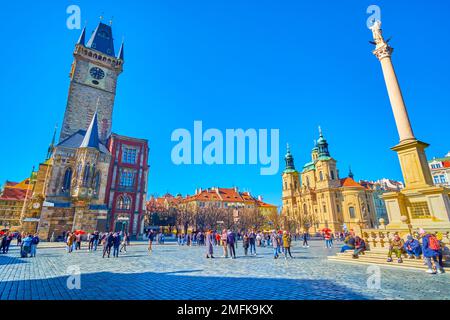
180,272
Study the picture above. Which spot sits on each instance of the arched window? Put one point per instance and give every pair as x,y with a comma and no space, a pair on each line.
321,175
123,202
332,175
351,211
305,209
67,180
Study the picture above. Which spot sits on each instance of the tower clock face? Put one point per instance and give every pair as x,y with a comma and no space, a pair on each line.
97,73
96,76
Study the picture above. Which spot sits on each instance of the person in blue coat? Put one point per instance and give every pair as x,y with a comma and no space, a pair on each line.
431,250
412,247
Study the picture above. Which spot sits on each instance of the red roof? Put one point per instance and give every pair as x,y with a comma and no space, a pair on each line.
14,194
349,182
446,164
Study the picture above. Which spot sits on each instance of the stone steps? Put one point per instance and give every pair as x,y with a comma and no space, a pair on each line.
379,258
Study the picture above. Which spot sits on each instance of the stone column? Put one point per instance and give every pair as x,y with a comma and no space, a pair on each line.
383,52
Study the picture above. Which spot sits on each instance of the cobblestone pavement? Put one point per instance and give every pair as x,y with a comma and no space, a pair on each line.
174,272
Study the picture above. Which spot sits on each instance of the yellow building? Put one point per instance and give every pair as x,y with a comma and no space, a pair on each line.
13,204
318,198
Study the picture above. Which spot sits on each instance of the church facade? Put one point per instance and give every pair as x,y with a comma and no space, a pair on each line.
78,186
316,197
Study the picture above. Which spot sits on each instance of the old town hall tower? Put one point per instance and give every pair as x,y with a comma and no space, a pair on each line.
94,74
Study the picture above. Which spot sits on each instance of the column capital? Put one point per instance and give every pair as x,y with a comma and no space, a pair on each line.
385,51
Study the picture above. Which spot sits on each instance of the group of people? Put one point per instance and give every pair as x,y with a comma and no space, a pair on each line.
431,249
228,239
27,242
117,241
428,245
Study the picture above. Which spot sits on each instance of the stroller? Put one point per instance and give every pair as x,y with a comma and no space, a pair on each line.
24,251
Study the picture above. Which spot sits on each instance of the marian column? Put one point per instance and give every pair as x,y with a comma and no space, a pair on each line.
383,52
420,204
411,152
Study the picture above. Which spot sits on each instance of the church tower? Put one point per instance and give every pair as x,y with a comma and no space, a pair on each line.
291,184
93,78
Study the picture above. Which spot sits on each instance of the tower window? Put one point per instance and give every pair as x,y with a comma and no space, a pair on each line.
123,202
332,175
129,155
127,178
321,176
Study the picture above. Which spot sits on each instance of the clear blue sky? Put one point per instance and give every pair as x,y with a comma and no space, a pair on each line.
291,65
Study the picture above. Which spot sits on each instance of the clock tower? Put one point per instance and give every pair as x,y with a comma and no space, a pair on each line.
93,81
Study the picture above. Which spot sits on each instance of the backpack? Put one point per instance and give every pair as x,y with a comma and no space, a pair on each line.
433,243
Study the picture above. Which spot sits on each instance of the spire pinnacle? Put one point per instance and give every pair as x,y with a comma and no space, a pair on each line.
320,131
82,39
51,147
121,52
350,173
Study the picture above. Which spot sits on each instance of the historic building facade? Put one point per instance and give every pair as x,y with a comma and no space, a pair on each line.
90,175
316,197
127,183
440,171
12,201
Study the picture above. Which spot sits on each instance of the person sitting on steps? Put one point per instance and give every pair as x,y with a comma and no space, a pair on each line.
360,247
396,246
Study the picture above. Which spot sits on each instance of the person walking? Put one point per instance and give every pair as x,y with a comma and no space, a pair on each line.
209,244
78,241
7,242
69,242
287,239
124,243
108,243
223,238
274,241
252,242
231,241
151,236
19,239
305,239
34,244
116,244
245,243
95,239
431,250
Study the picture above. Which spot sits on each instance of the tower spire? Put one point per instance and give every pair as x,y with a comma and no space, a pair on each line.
350,173
51,147
91,139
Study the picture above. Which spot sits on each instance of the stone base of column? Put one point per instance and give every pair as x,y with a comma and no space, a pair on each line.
414,164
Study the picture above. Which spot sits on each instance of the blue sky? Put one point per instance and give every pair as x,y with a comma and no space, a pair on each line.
290,65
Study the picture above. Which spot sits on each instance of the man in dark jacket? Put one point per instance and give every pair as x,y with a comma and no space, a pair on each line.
252,242
231,240
109,242
116,243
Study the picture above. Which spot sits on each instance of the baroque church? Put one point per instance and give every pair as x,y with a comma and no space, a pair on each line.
316,197
92,179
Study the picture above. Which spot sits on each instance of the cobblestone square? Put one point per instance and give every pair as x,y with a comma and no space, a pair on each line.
180,272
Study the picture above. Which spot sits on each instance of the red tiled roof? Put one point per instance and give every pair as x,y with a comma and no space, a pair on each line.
14,194
349,182
446,164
